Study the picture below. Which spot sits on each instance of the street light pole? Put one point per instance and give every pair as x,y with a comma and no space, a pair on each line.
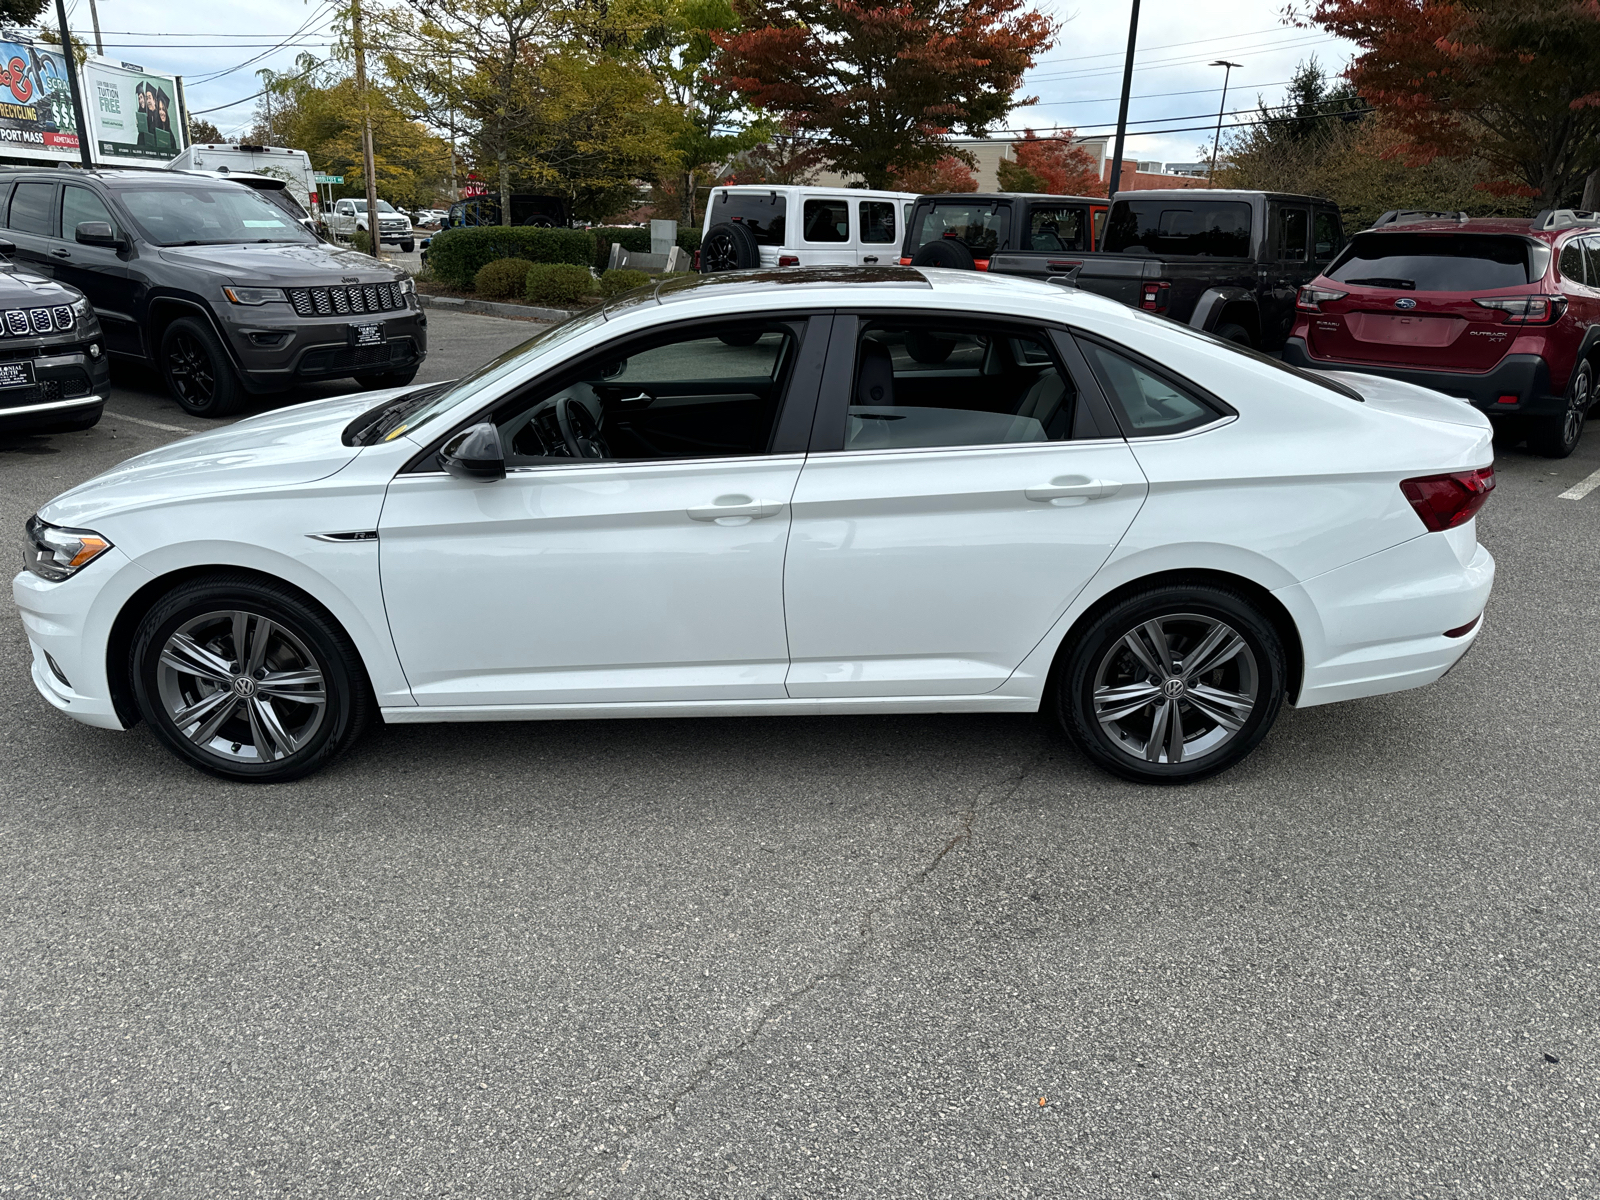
1216,143
80,115
1122,112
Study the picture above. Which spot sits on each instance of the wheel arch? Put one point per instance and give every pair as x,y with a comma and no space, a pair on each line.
1227,306
119,641
166,309
1271,608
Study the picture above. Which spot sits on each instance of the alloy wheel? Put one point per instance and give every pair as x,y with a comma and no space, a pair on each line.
718,254
241,687
1175,689
190,369
1577,408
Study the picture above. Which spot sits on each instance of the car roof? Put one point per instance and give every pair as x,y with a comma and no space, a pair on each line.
786,188
1215,194
1517,225
980,197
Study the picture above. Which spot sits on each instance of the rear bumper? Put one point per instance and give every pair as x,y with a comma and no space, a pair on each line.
1526,376
1377,625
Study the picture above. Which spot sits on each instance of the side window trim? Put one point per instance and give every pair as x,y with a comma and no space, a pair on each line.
1223,410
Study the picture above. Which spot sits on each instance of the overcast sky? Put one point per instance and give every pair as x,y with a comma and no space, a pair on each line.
1175,93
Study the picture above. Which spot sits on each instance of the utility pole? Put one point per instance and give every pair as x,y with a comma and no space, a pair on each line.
80,115
94,15
369,169
1221,108
1122,112
450,86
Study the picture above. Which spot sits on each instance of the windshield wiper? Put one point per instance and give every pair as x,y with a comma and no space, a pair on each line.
1385,281
371,426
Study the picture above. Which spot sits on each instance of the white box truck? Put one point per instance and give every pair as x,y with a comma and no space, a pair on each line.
291,166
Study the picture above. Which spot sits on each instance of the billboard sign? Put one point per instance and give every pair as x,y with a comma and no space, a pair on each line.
36,119
133,113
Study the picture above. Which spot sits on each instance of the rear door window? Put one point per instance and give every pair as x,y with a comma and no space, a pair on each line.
1056,228
1199,228
982,228
1293,237
31,208
762,213
826,221
1437,262
877,222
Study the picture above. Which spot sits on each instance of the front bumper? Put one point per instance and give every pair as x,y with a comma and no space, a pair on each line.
1526,376
1378,624
280,348
69,383
71,622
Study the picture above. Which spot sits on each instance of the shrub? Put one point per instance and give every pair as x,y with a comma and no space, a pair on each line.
502,279
636,241
361,240
614,283
558,285
457,255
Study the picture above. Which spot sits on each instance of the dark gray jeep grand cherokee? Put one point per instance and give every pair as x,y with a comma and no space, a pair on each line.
220,290
54,373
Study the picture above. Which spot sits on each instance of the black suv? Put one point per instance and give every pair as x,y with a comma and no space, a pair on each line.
217,287
54,372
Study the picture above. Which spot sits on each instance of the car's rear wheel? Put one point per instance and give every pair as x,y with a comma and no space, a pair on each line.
1558,436
197,370
1172,684
407,246
1237,334
247,680
387,379
729,247
949,253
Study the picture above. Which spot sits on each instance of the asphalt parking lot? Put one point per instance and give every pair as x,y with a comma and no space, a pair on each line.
873,956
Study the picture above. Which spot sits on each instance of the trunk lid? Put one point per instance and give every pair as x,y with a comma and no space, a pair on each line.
1409,400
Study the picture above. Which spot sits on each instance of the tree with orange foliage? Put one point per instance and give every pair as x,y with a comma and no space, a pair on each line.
949,174
1515,83
883,81
1055,165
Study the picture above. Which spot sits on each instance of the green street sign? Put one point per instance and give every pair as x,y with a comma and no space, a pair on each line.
329,178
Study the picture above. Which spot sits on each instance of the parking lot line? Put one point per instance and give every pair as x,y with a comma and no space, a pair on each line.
151,424
1579,490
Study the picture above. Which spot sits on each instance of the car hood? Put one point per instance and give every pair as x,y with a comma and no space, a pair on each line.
1409,400
293,445
23,291
287,262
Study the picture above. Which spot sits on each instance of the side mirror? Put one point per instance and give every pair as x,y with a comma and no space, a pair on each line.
475,454
97,233
7,248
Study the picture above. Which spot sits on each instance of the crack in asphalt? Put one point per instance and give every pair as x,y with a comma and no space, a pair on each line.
1011,784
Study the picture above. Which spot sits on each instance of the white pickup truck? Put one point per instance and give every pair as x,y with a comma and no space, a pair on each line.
348,216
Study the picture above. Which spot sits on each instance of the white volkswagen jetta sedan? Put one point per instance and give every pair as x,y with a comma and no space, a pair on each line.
807,491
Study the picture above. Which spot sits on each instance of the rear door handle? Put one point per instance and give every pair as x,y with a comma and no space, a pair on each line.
1065,491
736,510
872,258
62,252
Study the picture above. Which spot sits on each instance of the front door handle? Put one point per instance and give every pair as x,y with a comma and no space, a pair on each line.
736,510
62,252
1065,491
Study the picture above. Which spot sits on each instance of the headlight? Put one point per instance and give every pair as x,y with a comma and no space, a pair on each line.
408,285
82,310
58,554
248,295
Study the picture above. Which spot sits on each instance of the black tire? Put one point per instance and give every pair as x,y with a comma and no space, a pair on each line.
948,253
925,347
1101,658
740,337
197,370
729,247
1237,334
1558,436
407,246
299,631
539,222
387,379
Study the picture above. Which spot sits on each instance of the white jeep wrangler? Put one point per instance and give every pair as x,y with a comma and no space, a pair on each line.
757,225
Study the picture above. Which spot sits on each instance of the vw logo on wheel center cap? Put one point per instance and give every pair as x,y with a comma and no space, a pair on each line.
1173,688
244,686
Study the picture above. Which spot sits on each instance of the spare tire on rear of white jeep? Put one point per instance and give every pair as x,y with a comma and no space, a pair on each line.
728,246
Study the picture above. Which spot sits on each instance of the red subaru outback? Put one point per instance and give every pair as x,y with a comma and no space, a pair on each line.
1505,313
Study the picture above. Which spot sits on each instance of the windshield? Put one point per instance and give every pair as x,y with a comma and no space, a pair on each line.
1435,262
209,216
430,403
383,206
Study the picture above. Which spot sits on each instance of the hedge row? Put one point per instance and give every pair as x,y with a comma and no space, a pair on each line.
455,256
635,241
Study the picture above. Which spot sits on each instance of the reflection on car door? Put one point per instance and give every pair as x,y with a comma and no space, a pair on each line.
965,482
99,272
655,575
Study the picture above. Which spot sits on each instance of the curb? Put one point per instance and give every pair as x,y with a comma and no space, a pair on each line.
487,308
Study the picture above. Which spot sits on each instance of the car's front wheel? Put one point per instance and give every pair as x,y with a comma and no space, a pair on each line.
1173,684
1557,437
246,679
197,369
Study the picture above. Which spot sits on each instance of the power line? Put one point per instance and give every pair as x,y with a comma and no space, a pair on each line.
1147,95
316,15
1182,60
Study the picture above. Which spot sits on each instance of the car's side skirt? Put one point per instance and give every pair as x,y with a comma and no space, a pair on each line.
712,708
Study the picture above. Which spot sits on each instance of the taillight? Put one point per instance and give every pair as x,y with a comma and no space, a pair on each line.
981,264
695,262
1155,297
1445,501
788,260
905,261
1526,310
1311,296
